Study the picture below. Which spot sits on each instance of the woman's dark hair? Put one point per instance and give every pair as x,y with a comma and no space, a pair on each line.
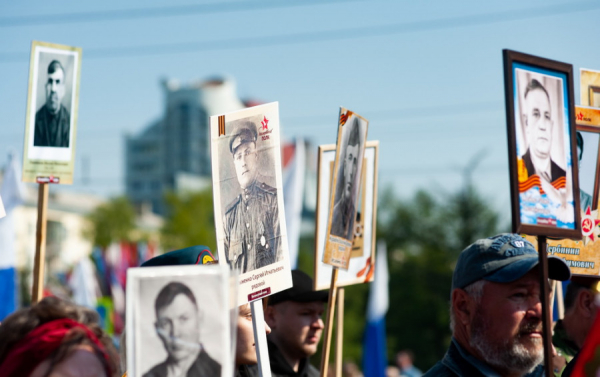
16,326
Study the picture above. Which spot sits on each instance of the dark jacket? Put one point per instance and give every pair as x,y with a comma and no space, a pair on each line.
555,170
52,130
203,366
281,368
251,224
457,362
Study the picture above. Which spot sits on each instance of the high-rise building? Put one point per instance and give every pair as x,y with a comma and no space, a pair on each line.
173,153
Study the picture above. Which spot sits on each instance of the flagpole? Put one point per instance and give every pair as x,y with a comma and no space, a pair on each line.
40,245
339,340
329,322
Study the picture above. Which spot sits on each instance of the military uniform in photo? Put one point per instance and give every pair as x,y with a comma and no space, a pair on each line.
251,220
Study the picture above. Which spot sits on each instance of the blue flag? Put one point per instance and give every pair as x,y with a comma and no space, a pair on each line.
374,359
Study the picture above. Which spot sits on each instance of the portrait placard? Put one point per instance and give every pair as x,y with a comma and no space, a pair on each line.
347,169
360,269
248,199
589,88
583,257
542,146
51,119
176,314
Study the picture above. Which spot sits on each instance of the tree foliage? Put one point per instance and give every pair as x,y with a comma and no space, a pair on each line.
425,235
190,221
110,222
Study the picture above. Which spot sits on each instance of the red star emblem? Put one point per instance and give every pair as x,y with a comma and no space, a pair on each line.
580,116
264,123
588,224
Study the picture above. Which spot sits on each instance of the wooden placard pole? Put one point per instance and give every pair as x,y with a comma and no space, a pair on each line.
546,315
40,245
339,338
260,338
329,321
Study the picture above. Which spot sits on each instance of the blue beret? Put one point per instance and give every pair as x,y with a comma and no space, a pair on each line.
191,255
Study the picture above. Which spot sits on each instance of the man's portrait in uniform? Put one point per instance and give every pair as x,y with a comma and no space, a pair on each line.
178,323
53,119
543,157
251,219
344,210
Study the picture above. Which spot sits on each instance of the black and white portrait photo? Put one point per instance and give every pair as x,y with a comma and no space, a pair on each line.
251,218
51,120
248,199
180,321
348,178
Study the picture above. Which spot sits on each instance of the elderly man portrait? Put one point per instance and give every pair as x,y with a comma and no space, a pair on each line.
52,120
343,209
178,323
538,125
496,311
251,220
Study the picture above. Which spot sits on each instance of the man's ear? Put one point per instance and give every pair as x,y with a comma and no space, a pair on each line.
585,302
462,305
270,316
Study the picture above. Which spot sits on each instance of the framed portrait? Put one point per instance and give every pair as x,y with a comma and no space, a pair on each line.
590,87
542,146
176,314
360,268
347,170
248,199
583,257
51,119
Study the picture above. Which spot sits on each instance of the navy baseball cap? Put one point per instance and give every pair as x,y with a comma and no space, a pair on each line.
301,291
190,255
502,259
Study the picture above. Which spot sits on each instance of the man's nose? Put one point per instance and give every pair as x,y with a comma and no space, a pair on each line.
53,86
534,309
317,323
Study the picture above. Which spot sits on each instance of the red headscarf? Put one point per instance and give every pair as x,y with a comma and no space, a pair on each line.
39,344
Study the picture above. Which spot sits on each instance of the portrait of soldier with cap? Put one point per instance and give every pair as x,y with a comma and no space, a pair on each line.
251,219
344,210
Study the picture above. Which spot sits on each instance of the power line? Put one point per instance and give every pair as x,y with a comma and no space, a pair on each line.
326,36
155,12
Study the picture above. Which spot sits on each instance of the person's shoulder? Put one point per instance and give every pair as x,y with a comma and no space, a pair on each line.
266,188
311,371
234,203
440,370
40,112
64,111
205,366
158,370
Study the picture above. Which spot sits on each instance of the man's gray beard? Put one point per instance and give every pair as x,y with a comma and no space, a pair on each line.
512,355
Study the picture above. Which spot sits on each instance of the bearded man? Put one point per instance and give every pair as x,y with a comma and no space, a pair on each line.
496,311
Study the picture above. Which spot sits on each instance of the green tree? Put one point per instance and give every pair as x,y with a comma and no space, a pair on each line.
190,221
110,222
425,235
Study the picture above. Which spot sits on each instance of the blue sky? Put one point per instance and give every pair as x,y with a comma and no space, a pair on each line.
428,75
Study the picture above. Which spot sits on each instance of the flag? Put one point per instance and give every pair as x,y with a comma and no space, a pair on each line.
587,361
84,285
13,194
374,359
294,163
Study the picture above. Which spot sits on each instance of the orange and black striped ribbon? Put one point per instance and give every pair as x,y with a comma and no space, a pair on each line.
221,125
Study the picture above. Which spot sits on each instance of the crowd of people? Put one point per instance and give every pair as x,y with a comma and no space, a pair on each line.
495,310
